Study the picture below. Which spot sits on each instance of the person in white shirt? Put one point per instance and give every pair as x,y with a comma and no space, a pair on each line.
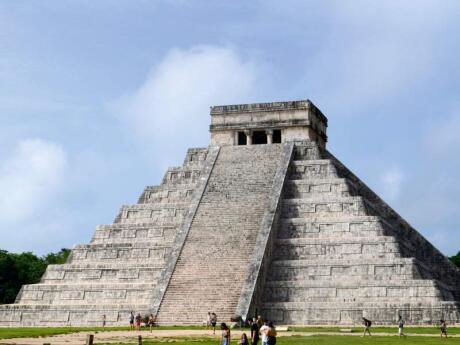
264,333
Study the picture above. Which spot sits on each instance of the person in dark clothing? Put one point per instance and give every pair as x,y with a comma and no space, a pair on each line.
254,332
443,327
271,334
131,321
367,326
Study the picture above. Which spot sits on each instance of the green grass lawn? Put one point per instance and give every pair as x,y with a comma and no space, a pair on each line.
32,332
320,340
408,330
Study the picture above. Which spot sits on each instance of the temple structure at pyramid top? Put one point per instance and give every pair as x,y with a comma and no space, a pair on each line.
263,221
267,123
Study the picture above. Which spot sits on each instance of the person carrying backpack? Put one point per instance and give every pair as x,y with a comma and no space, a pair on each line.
367,326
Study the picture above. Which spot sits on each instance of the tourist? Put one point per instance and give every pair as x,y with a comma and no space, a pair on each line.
260,321
225,334
131,321
208,320
254,332
443,328
401,326
104,319
271,333
367,326
151,322
213,322
138,321
244,339
264,333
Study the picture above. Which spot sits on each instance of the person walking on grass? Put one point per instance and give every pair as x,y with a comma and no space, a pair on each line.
367,326
104,320
213,322
138,321
401,327
443,327
151,322
131,321
225,334
254,332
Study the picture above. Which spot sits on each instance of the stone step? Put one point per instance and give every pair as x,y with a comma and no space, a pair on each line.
362,268
312,169
351,284
306,151
227,221
46,315
358,291
165,194
312,188
336,248
98,272
152,213
185,175
335,208
351,313
119,252
319,227
117,233
84,293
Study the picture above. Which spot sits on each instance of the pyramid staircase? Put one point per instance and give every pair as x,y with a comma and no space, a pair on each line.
117,271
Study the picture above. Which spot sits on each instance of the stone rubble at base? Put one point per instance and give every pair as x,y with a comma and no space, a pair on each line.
282,229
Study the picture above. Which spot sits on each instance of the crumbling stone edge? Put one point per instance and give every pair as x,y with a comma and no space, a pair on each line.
252,290
181,236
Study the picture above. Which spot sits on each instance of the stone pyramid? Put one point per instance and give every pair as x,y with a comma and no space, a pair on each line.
263,221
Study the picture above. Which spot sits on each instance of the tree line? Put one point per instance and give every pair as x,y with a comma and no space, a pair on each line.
27,268
24,268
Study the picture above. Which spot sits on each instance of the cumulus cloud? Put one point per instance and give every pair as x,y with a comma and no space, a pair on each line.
170,110
29,178
392,181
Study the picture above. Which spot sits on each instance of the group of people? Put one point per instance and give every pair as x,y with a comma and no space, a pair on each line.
135,322
264,330
368,323
260,330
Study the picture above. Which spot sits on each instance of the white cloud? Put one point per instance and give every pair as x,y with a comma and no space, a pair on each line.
170,110
28,179
392,180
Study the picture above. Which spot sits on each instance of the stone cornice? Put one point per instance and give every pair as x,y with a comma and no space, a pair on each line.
267,107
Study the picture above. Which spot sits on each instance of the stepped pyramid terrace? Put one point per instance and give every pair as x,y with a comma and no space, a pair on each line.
265,220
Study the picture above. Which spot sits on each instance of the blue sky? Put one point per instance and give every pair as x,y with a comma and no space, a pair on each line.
97,98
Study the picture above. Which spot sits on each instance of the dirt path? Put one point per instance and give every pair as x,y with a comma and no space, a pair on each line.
131,336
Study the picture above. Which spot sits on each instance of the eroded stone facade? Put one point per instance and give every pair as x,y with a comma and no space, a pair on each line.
263,220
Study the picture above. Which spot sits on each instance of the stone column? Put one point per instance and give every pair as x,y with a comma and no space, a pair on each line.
269,133
248,137
235,138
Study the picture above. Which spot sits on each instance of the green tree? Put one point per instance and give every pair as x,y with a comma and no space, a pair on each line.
456,259
57,258
24,268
